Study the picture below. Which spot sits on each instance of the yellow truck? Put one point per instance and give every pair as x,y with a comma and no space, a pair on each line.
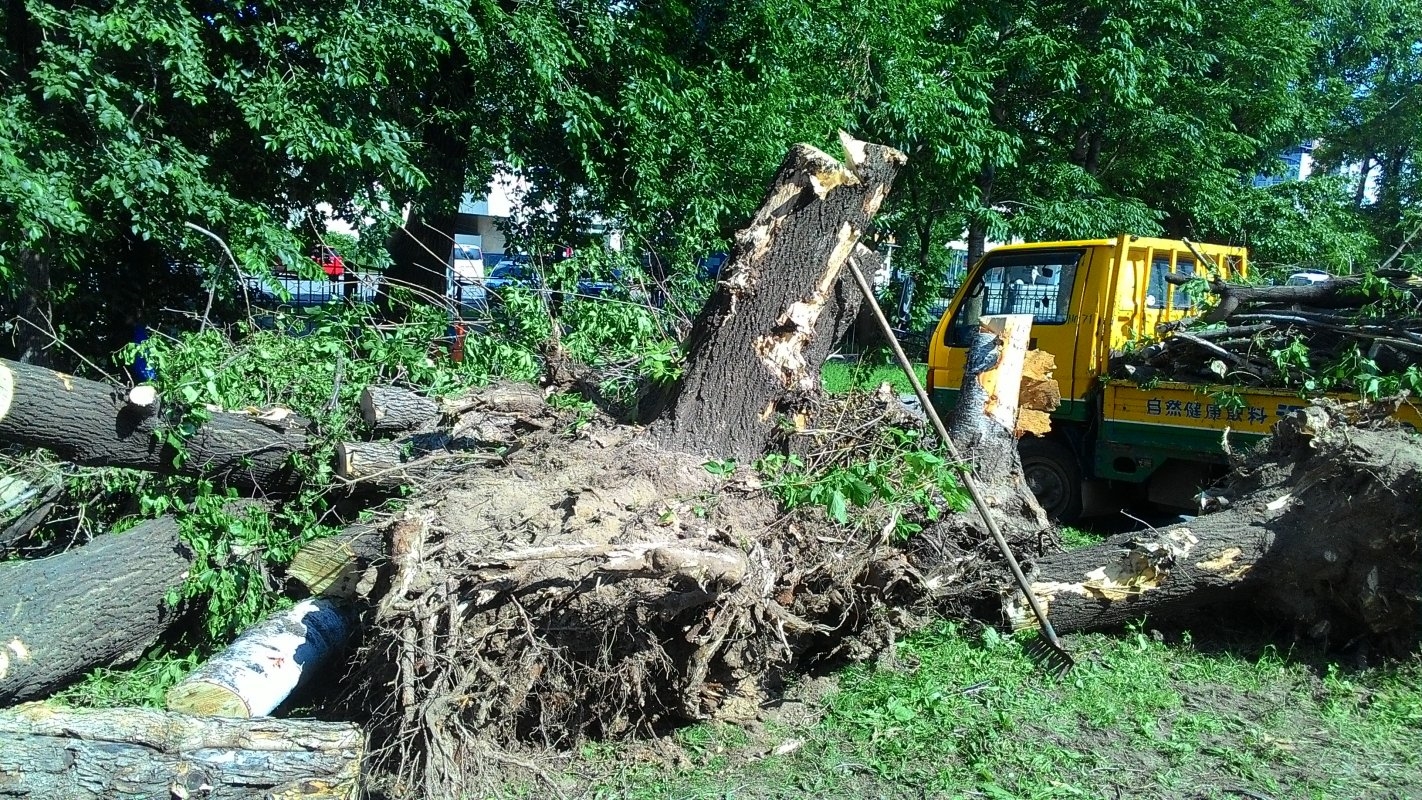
1112,442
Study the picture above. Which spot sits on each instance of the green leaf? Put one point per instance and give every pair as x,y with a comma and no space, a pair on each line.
837,508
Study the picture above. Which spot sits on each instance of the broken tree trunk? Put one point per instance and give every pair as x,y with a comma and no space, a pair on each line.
1321,532
984,426
340,565
77,754
389,409
93,424
102,603
757,346
256,673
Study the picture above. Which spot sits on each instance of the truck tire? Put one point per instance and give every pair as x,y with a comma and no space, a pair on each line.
1054,476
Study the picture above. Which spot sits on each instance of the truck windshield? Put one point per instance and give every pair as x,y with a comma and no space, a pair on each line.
1037,283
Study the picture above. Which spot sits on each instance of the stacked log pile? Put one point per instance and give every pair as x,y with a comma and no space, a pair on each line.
1280,335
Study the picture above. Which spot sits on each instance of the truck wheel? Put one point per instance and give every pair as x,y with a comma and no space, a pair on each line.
1053,475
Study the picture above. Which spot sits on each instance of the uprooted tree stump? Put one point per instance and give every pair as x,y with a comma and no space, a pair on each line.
1321,532
607,583
95,605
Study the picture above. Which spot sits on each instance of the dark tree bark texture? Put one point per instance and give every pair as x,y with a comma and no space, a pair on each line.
390,409
756,348
91,423
79,754
1321,532
420,253
99,604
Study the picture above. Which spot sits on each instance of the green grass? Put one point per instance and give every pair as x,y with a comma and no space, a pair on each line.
1076,538
839,377
973,717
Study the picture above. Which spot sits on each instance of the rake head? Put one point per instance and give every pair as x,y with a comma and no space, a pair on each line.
1050,654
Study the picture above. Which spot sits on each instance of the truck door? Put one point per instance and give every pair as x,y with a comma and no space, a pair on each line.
1042,283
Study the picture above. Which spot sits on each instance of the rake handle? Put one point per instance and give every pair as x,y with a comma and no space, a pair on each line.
969,482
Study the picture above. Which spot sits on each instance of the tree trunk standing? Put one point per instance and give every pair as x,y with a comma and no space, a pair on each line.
92,424
977,220
78,754
420,253
983,424
751,357
98,604
31,309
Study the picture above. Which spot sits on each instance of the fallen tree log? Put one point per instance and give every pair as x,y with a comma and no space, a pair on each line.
94,424
391,464
1321,531
783,300
390,409
1339,292
256,673
77,754
102,603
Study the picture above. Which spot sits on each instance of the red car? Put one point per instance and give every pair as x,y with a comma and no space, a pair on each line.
330,261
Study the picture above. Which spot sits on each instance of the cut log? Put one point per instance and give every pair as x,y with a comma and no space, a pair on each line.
93,424
1321,531
78,754
389,409
756,348
984,423
143,401
340,566
99,604
256,673
1339,292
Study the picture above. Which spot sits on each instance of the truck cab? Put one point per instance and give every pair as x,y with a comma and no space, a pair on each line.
1087,299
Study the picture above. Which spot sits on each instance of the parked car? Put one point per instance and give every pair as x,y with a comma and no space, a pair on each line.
331,262
1308,277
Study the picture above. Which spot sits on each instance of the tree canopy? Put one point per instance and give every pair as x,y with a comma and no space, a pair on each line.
138,135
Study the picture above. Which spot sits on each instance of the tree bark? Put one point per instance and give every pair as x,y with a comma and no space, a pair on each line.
256,673
420,252
1321,531
1132,576
390,409
387,463
90,423
102,603
983,424
754,357
78,754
